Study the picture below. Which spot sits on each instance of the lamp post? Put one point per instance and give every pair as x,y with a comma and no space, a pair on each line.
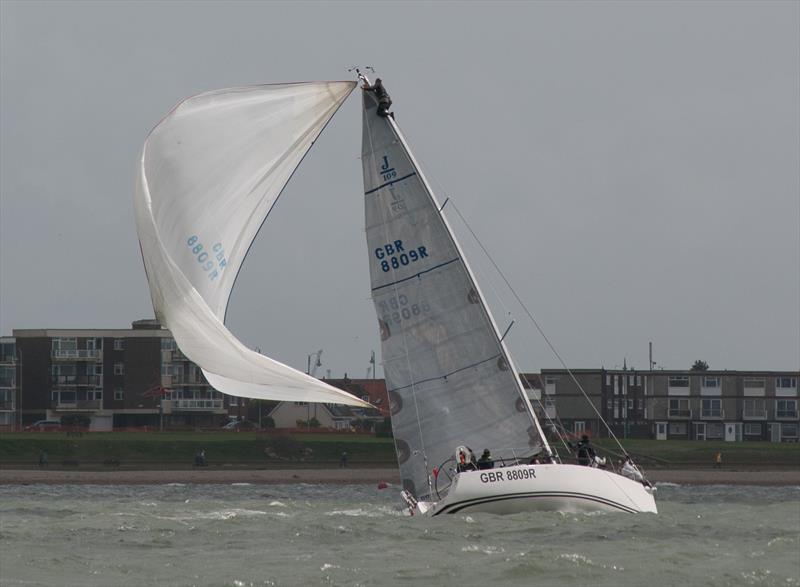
317,363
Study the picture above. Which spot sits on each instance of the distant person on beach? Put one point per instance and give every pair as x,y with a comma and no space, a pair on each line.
718,460
43,460
343,460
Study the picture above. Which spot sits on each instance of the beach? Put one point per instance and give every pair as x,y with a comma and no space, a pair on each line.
348,475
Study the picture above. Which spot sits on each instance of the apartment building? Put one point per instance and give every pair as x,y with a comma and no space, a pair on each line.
112,378
690,405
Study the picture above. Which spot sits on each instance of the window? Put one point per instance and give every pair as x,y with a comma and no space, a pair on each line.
65,344
788,431
630,404
580,427
94,395
710,381
715,431
679,381
119,369
638,380
608,380
62,397
786,382
712,408
8,352
786,408
631,379
167,344
678,428
8,376
679,408
119,344
754,408
119,394
752,429
753,383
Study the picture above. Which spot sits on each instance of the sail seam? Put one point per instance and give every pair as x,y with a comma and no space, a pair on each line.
416,274
446,375
412,174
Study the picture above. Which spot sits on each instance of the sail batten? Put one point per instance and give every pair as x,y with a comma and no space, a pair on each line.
210,173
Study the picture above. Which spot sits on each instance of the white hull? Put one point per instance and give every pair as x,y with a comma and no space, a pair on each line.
523,488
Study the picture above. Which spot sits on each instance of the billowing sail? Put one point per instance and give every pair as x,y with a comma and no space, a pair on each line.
450,379
210,173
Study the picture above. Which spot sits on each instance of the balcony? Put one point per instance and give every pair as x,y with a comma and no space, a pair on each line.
754,415
687,414
786,414
78,405
81,354
712,414
197,404
77,380
7,406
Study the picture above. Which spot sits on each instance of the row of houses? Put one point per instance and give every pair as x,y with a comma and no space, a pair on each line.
138,377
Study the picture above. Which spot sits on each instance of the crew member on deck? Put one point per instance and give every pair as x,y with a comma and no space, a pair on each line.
384,101
485,462
585,451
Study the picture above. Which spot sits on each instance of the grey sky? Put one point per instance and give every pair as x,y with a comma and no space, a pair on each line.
633,167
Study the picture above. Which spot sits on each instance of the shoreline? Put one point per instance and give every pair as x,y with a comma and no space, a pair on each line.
348,476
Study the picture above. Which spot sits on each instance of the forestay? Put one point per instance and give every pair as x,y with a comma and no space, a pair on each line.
449,377
210,173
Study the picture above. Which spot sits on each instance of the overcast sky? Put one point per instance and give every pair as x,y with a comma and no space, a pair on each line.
632,167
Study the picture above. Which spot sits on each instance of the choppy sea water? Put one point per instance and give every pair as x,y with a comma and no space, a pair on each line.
254,535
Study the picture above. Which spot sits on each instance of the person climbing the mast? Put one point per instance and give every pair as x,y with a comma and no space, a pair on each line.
384,101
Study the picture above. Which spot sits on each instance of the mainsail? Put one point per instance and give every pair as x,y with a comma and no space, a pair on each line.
210,173
451,381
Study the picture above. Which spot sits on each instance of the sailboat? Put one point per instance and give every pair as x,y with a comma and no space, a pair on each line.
210,173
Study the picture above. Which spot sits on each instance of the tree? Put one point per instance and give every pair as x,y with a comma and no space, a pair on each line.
700,365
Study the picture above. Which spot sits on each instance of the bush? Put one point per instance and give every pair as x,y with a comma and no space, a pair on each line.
384,429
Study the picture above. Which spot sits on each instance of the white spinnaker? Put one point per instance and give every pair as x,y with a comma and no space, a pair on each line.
210,173
451,381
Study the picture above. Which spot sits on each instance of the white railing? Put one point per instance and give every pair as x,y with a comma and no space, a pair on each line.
77,354
197,404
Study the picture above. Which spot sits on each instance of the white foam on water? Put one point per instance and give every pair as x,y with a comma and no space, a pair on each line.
483,549
357,512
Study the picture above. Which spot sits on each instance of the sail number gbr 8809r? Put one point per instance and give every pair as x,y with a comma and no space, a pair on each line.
395,255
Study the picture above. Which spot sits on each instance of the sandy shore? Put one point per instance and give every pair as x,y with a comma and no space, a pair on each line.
347,476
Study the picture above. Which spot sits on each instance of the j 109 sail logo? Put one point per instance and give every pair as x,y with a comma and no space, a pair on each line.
387,171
